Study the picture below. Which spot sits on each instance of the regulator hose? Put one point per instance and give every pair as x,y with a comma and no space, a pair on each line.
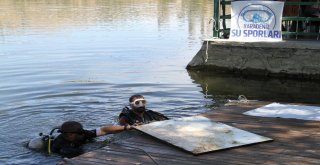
49,145
50,138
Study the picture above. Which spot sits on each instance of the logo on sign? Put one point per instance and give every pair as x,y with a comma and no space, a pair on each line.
256,16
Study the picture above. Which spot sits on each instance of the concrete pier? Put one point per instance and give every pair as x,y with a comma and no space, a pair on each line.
297,59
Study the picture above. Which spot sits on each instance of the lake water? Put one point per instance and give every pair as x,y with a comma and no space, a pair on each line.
82,59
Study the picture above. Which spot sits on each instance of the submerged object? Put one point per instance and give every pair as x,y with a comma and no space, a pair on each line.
199,134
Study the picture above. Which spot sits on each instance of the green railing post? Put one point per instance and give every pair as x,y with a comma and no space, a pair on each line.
216,17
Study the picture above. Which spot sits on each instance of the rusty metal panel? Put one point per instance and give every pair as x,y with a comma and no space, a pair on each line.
199,134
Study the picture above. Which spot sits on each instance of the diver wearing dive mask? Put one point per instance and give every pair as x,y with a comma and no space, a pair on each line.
71,138
138,105
137,113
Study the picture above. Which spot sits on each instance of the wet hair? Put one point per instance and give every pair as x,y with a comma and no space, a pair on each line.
133,97
71,127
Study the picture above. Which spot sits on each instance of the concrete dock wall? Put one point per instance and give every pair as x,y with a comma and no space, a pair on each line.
298,59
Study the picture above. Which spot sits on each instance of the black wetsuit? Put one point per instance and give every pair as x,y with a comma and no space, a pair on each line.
148,116
71,149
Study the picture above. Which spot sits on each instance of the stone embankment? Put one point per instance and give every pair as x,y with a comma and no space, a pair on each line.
297,59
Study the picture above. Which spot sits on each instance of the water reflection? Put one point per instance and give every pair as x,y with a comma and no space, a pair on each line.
18,16
225,86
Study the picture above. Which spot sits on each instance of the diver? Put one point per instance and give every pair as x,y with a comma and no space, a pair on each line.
138,113
71,138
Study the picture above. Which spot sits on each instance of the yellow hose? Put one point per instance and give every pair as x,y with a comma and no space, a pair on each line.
49,146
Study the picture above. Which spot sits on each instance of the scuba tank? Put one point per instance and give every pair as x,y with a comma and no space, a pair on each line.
36,143
43,142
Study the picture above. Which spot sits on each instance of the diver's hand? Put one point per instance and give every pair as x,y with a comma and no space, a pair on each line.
128,127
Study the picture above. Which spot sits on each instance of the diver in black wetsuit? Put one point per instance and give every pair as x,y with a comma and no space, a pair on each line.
137,113
71,138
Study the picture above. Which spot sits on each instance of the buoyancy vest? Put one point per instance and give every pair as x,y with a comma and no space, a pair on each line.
148,116
70,149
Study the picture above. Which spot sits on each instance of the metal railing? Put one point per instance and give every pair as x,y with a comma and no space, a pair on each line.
297,20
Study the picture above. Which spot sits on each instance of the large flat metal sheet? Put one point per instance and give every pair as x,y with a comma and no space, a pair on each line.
199,134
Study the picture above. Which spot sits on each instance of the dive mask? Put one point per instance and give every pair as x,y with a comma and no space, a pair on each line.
138,103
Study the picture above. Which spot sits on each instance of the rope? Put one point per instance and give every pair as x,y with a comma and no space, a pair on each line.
207,56
214,24
140,150
214,28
